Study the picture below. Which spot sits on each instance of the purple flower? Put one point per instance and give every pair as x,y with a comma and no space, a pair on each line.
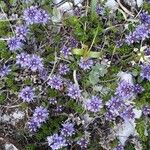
125,90
141,32
55,82
56,142
35,63
43,73
145,72
59,108
68,129
34,14
63,69
14,44
85,64
115,105
110,116
118,107
146,110
52,101
73,91
21,32
65,51
145,17
83,142
27,94
4,70
94,104
30,14
100,10
33,125
42,16
73,42
119,147
128,113
23,60
147,52
40,114
138,89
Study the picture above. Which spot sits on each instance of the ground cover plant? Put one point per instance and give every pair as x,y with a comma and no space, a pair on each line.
75,75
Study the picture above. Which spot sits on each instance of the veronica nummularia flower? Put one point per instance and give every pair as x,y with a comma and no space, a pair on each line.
65,51
63,69
145,17
23,59
118,107
14,44
52,101
73,91
4,70
119,147
145,72
56,82
34,14
40,114
125,90
94,104
35,63
33,125
146,110
83,142
56,141
68,129
27,94
21,32
85,64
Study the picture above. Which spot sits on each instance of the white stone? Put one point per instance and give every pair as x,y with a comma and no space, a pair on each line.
125,130
9,146
112,4
125,76
139,3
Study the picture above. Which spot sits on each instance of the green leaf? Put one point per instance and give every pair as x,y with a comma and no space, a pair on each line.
98,71
93,7
140,127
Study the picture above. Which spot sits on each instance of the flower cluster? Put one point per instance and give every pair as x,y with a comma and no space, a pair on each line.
147,52
65,51
52,101
73,91
55,82
145,72
83,143
68,129
27,94
34,14
118,107
146,110
100,10
119,147
125,90
40,115
33,62
14,44
145,17
85,64
56,142
63,69
94,104
4,70
21,32
141,32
